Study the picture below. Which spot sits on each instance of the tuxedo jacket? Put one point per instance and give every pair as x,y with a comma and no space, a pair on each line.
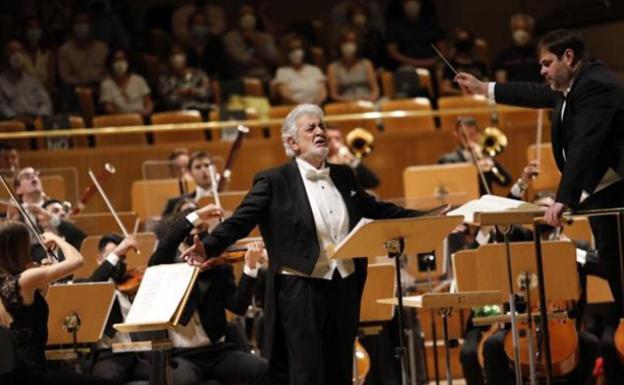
590,138
279,205
215,289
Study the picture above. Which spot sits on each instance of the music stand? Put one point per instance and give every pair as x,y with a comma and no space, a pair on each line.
78,315
396,237
457,183
445,303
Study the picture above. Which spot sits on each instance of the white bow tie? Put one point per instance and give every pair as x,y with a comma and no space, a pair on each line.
315,175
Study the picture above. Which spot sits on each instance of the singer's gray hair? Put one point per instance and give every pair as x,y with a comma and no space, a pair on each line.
289,128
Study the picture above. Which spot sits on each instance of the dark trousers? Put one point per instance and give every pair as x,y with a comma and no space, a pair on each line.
122,367
605,233
218,364
498,368
469,357
316,325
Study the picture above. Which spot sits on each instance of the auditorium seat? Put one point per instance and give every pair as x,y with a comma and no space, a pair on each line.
360,106
15,126
174,117
118,120
464,102
407,124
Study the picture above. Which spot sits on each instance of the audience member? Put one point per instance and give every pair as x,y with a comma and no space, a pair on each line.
82,59
519,62
205,49
342,13
107,26
371,42
184,87
297,81
463,60
124,91
351,77
252,52
411,36
39,59
214,13
21,95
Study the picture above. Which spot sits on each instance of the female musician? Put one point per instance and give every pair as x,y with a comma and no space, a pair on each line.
20,294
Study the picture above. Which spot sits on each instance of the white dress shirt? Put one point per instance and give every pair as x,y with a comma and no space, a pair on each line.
330,219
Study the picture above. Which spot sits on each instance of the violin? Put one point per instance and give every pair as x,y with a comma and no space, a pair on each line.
132,279
232,255
361,364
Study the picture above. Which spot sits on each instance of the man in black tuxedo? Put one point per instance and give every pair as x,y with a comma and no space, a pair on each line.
201,351
199,166
587,137
304,208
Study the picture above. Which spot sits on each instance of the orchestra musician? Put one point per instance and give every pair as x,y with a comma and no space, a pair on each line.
587,139
339,153
466,134
303,209
201,351
20,294
199,166
117,367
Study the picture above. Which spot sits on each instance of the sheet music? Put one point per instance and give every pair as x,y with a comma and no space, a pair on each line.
488,204
161,291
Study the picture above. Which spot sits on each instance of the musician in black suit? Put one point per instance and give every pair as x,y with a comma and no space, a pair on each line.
303,209
587,137
118,367
199,165
201,351
467,135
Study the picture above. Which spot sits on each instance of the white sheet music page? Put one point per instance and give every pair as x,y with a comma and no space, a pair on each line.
489,204
161,291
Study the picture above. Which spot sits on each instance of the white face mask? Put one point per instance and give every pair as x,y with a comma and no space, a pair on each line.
412,8
248,21
359,20
120,67
348,49
17,61
178,60
296,56
520,37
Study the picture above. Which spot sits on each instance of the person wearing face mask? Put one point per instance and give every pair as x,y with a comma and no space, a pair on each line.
351,77
464,60
370,40
410,37
184,87
298,81
22,96
123,91
82,59
215,14
205,49
39,60
252,53
518,62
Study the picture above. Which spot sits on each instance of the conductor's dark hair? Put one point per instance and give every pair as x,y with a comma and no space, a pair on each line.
560,40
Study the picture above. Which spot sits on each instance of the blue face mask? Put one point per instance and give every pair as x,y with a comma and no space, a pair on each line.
199,31
34,35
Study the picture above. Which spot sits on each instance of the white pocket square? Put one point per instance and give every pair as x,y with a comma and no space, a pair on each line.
353,192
